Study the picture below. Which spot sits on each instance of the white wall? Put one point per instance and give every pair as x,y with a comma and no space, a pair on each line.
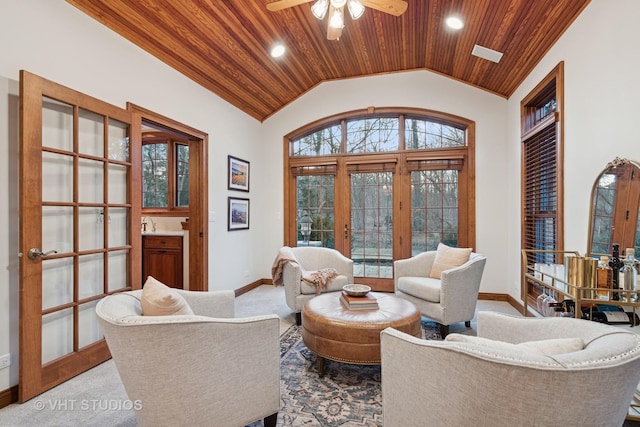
601,61
9,266
420,89
56,41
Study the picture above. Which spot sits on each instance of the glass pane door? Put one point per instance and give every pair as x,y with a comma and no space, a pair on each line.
75,228
434,209
372,224
76,211
315,211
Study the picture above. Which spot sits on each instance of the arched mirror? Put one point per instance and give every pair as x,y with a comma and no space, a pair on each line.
615,204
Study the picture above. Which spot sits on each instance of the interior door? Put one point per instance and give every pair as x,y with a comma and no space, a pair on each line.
75,232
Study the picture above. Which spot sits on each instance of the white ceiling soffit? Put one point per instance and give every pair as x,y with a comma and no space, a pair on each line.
486,53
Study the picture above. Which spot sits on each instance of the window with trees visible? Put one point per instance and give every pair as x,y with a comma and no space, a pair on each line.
381,185
542,168
542,178
165,173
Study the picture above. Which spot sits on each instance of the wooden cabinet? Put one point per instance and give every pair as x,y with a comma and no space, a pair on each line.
162,259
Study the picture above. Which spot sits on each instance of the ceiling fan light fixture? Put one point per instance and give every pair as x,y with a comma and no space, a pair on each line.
338,4
454,22
356,9
336,20
319,8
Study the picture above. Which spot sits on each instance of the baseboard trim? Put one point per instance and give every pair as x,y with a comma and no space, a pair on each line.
8,396
516,304
252,285
492,297
501,297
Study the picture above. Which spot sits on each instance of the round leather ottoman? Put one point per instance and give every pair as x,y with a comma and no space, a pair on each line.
333,332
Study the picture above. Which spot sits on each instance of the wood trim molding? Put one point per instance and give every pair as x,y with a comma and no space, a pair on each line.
8,396
492,297
502,297
198,185
252,285
515,304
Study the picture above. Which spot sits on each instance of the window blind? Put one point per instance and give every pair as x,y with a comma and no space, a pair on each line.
455,163
541,192
314,170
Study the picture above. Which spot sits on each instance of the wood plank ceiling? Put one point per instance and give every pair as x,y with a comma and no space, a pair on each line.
224,45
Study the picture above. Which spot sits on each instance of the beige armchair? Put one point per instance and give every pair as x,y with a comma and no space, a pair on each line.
511,383
297,291
448,300
197,370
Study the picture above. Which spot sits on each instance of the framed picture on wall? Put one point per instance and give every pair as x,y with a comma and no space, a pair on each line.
238,216
238,178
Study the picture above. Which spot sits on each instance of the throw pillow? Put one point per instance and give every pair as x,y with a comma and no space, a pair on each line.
447,258
159,299
548,347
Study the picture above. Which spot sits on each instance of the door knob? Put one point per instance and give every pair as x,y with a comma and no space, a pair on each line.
35,253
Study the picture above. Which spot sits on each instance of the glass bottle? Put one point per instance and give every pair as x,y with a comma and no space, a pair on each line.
628,276
615,263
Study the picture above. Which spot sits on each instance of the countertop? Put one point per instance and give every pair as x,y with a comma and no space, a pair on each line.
164,233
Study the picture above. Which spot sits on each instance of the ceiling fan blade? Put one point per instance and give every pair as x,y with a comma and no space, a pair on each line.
393,7
283,4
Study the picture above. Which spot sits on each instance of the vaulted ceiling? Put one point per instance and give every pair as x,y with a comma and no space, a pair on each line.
224,45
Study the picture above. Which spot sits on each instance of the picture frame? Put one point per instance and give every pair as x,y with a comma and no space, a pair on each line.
238,214
238,174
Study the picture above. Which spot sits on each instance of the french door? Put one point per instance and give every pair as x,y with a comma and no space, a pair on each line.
371,219
75,231
356,219
375,213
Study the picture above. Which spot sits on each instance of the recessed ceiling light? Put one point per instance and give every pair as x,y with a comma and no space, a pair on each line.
277,50
454,22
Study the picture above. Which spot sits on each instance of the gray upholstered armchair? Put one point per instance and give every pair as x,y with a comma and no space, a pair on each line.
198,370
448,300
297,291
525,378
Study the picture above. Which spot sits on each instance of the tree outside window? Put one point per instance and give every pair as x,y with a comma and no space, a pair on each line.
165,174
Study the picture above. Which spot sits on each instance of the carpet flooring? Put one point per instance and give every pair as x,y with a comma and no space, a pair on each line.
347,395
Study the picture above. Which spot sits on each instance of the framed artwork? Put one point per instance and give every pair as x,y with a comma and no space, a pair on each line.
238,218
238,171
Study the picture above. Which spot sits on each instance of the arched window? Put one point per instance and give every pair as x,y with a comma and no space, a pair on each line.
380,185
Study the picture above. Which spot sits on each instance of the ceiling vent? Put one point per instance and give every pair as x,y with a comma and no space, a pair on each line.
486,53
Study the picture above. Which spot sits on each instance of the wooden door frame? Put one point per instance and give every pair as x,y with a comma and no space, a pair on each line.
198,186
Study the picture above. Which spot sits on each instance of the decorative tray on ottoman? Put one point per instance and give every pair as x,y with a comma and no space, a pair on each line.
356,290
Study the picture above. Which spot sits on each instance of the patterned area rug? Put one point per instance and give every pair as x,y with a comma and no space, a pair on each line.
347,395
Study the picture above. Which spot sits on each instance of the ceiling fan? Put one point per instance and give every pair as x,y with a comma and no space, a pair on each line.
335,9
